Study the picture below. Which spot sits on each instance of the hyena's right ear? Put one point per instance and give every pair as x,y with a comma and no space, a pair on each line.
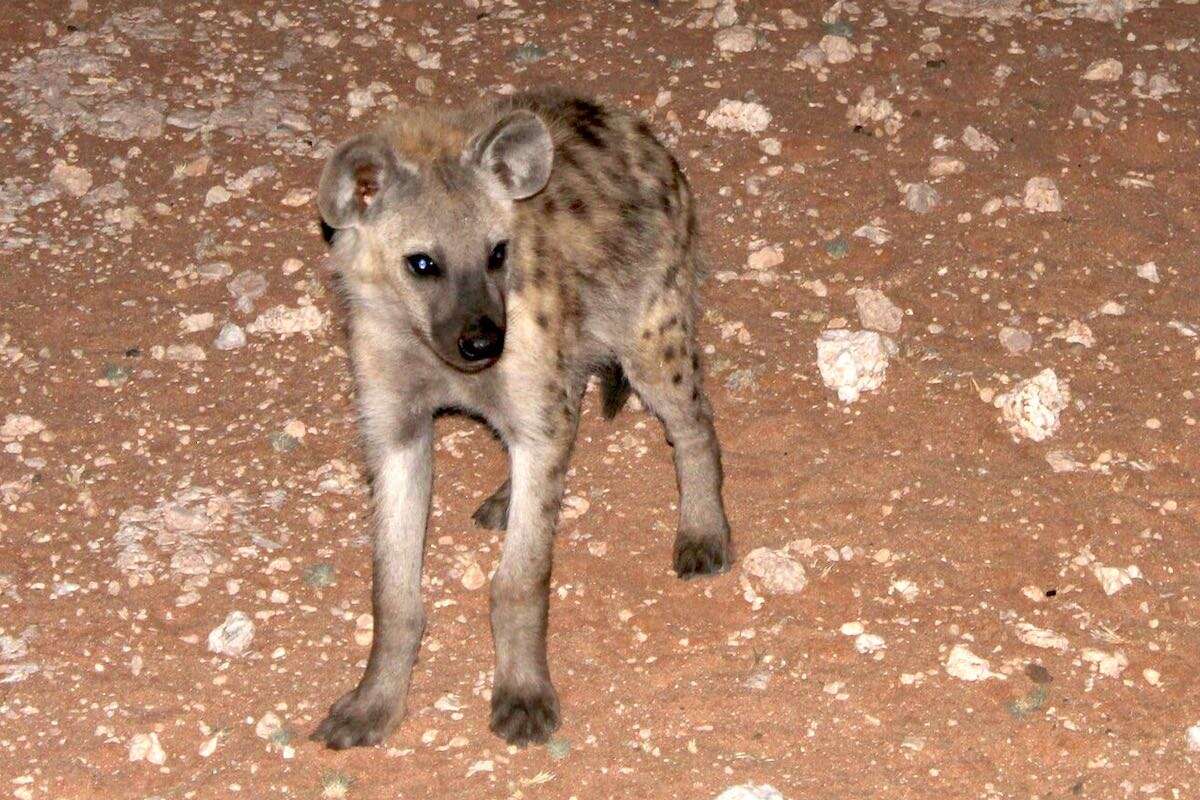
357,180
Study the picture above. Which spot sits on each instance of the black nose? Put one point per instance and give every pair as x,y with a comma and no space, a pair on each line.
481,340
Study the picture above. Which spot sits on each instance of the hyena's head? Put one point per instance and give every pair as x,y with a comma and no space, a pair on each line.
429,222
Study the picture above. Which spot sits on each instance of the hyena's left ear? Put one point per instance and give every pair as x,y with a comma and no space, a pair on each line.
518,150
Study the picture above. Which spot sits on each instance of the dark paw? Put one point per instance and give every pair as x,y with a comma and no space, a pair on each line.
695,557
523,718
356,720
492,513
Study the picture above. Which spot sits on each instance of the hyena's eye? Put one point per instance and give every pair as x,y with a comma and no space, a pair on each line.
497,256
423,266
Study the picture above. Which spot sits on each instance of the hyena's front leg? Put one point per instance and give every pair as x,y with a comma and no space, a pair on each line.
524,703
403,478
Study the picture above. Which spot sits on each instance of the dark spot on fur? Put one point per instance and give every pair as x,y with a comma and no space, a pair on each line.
695,395
668,323
695,362
539,275
676,378
549,207
669,352
543,321
578,207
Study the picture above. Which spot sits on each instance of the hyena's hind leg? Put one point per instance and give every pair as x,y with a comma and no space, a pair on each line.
664,369
493,512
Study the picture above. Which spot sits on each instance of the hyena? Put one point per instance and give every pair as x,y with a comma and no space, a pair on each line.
495,258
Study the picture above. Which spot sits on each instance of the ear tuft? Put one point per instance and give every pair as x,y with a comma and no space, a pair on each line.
519,151
356,178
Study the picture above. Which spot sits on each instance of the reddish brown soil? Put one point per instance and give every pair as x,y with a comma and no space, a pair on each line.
918,481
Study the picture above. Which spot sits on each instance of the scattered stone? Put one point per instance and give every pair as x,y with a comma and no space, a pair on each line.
874,233
1193,738
194,323
735,115
991,10
1108,664
940,166
1112,308
216,196
1041,195
966,666
876,312
473,578
921,198
775,571
868,643
765,258
977,141
1041,637
1076,332
853,362
18,426
1106,69
185,352
558,748
1114,579
529,53
749,791
268,725
231,337
1015,340
233,636
75,181
1033,406
146,747
286,321
319,575
837,49
247,287
737,39
1062,461
874,112
1147,271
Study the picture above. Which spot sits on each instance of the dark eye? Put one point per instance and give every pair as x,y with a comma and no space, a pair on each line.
497,256
423,266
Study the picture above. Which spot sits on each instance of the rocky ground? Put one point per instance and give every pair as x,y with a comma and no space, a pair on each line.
952,336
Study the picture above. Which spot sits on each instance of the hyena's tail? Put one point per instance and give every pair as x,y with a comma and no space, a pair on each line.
614,389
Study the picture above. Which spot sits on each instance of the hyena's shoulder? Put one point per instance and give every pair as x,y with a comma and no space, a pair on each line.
616,195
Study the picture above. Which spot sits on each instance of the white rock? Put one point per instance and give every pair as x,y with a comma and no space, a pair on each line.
852,362
875,112
1114,579
965,665
1147,271
977,141
146,747
233,636
867,643
734,115
837,49
1193,738
1108,664
185,352
17,426
876,312
1106,69
852,628
738,39
231,337
776,571
907,590
921,198
75,181
940,166
473,577
1041,195
1041,637
1033,406
1076,332
268,725
194,323
285,321
874,233
748,791
765,258
217,195
1015,340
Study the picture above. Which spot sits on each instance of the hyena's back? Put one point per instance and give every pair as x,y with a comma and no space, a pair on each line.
615,226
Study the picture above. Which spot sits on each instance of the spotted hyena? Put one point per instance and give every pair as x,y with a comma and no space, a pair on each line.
494,259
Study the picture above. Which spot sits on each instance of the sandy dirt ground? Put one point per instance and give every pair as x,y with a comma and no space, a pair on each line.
958,585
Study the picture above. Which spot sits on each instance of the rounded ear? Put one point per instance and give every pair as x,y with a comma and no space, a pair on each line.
518,150
356,179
